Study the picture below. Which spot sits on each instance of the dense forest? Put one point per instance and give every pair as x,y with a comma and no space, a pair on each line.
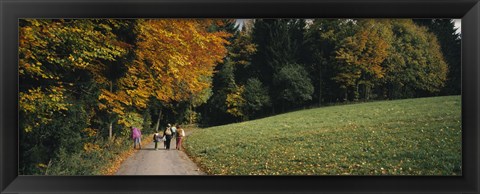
85,82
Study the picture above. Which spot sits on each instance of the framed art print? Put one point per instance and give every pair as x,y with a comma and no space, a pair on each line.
239,96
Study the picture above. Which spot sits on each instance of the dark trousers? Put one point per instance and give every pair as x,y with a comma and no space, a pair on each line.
156,144
167,141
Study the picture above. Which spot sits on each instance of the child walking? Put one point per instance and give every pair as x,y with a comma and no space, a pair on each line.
157,138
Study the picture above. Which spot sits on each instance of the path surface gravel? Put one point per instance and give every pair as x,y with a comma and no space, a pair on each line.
149,161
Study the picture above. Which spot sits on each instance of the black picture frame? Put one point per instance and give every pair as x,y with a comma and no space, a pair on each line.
12,10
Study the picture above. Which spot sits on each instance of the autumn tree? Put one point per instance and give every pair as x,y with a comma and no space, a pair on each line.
365,52
360,56
58,65
173,58
83,80
416,66
450,43
110,72
322,38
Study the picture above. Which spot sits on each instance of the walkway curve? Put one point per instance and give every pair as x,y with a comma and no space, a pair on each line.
149,161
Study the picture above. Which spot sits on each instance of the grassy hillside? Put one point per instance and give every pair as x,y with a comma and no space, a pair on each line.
404,137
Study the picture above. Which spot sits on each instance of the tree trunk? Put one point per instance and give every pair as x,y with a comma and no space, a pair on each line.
357,94
110,128
367,92
158,120
191,114
320,91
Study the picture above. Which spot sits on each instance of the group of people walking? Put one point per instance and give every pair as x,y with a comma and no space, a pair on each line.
175,131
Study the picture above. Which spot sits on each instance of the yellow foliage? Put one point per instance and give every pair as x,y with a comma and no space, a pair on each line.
131,119
235,101
89,147
42,165
363,53
172,57
43,103
113,102
38,39
90,132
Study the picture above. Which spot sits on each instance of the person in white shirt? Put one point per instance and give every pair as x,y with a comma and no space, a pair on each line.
174,131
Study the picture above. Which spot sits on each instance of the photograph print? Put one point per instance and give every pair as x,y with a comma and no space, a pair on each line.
285,96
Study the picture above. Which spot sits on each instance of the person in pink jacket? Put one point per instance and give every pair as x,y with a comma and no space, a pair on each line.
136,136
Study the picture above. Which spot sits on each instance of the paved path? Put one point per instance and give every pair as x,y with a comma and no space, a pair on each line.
149,161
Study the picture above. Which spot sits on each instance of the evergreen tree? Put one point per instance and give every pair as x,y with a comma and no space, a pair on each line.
256,98
241,54
280,42
273,48
223,83
223,80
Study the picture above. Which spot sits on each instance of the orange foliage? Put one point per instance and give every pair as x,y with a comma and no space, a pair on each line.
173,58
363,53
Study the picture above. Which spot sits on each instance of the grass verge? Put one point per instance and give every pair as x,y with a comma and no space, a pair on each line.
420,136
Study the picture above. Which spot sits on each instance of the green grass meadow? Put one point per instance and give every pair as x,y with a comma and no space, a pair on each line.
420,136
